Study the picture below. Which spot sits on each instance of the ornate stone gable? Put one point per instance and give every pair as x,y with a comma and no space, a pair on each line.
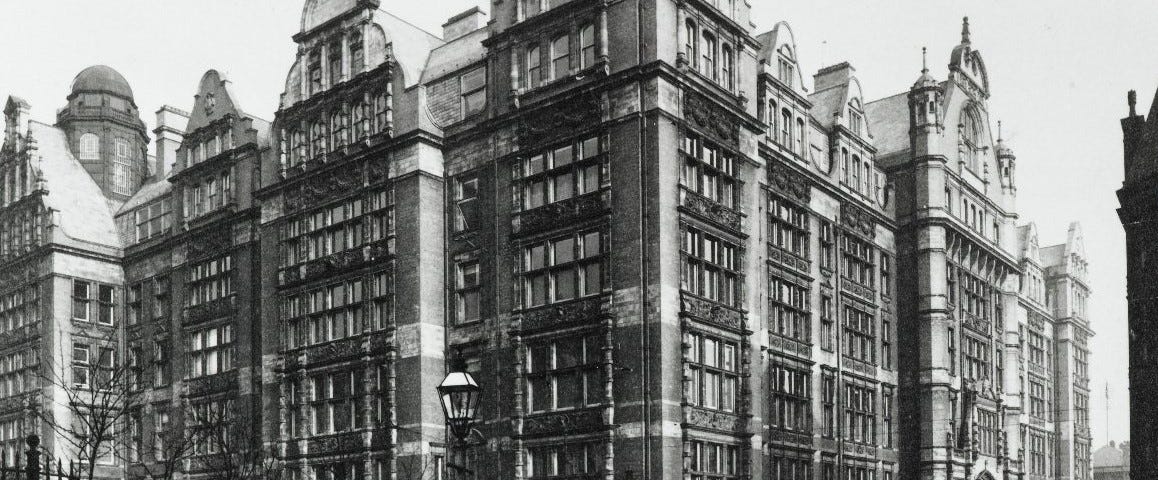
712,119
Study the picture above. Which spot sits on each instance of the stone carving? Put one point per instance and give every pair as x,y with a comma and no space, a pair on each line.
786,259
335,444
315,190
559,214
222,307
713,420
711,312
857,289
212,384
334,351
860,367
860,450
567,422
976,324
712,118
789,346
560,120
588,310
796,438
857,219
787,181
711,211
210,242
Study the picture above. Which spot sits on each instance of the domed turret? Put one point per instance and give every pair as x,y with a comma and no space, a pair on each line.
101,79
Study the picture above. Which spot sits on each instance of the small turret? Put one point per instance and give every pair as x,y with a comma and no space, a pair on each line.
1007,162
925,107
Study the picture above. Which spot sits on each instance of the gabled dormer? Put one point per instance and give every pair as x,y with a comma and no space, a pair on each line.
783,102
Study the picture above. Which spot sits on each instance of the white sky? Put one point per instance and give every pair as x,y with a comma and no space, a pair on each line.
1059,72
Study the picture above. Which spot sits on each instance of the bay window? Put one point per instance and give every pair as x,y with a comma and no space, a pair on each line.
564,268
715,378
710,267
565,374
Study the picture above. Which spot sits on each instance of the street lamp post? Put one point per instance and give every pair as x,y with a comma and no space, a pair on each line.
459,395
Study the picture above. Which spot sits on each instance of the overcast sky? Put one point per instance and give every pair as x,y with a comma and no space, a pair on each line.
1059,72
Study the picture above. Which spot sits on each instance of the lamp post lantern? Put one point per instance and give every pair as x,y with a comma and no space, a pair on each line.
459,395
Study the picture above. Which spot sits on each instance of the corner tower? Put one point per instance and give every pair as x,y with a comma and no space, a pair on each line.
105,131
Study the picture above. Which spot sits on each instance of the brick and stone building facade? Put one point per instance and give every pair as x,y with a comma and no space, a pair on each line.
659,252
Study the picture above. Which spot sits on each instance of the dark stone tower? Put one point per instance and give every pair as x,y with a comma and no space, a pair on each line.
105,131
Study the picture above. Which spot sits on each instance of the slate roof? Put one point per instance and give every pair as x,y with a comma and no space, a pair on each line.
456,54
889,121
827,103
72,192
153,189
410,45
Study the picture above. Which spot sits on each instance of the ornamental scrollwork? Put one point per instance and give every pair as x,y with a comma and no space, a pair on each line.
208,243
320,189
857,219
334,351
559,214
222,307
212,384
335,444
789,182
712,118
569,422
584,310
712,211
714,420
560,120
712,312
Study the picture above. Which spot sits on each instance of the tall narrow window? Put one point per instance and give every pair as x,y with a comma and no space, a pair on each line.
801,138
314,71
692,47
361,120
335,63
708,64
466,203
560,57
727,67
534,67
382,111
586,46
338,121
90,147
714,373
786,128
357,55
473,85
106,304
81,366
81,300
467,292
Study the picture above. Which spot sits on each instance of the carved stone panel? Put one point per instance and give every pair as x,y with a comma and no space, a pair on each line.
857,219
788,182
588,310
346,442
334,351
571,422
560,214
210,242
711,118
320,189
222,307
560,120
712,211
212,384
713,420
711,312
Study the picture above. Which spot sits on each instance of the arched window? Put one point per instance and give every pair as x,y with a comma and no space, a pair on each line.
971,131
692,47
90,147
856,166
786,128
708,66
800,136
727,65
357,54
771,117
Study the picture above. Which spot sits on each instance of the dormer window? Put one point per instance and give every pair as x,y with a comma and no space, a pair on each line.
855,122
785,70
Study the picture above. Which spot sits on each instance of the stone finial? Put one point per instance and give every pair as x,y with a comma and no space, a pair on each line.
965,30
1132,100
924,60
